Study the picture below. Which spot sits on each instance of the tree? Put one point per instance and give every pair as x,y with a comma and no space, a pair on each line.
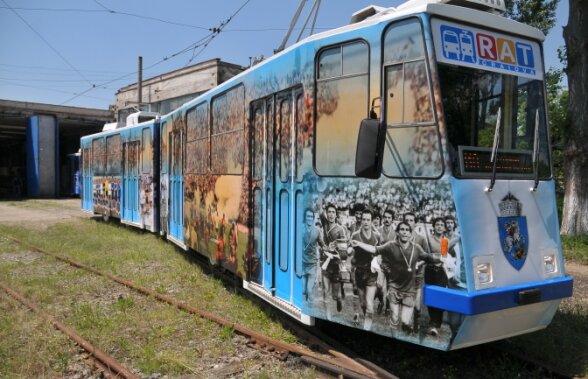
575,210
557,103
537,13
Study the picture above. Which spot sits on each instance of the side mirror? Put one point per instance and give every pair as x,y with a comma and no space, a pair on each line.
370,149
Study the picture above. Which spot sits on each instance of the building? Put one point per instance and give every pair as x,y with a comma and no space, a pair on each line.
168,91
35,140
38,140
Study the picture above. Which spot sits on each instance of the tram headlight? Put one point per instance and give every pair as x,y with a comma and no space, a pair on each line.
484,271
550,266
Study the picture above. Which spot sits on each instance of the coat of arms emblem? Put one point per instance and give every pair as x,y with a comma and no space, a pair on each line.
512,228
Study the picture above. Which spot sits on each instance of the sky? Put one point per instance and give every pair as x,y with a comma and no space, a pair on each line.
80,52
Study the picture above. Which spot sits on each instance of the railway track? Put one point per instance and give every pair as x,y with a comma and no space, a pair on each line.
324,351
330,359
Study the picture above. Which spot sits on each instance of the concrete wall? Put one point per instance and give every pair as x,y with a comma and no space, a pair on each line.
42,156
181,85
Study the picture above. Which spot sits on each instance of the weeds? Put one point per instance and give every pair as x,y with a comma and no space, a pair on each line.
155,338
576,248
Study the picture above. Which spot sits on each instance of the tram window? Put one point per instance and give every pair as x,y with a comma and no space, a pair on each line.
284,220
269,116
98,156
471,101
197,122
86,161
404,42
412,140
226,143
299,136
147,154
258,137
131,158
330,64
163,155
408,100
285,137
113,155
342,97
197,155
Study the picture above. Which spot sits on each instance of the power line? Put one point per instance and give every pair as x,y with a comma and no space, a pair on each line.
108,10
192,47
44,88
44,80
67,70
216,32
47,43
112,11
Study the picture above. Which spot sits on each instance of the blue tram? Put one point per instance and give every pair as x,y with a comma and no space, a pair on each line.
393,175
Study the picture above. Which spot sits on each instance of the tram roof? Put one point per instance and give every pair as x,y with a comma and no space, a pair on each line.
439,8
484,19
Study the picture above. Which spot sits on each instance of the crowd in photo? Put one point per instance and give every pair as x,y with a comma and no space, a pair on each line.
386,248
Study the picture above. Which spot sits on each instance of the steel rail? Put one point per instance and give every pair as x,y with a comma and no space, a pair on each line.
105,359
347,365
322,340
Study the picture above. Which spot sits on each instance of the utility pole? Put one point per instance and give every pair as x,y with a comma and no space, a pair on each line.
140,84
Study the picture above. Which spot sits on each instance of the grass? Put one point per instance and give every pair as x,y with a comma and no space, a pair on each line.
151,336
576,248
155,338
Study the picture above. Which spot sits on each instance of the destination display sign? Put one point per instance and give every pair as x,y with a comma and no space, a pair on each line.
487,50
476,161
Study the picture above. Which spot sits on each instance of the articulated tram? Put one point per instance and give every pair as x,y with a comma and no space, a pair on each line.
392,175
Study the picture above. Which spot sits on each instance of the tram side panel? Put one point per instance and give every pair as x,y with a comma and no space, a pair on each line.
119,175
102,177
215,205
148,180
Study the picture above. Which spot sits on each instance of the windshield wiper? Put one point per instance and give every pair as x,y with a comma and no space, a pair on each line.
493,157
536,153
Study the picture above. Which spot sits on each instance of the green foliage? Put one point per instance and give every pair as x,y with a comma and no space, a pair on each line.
123,304
557,104
537,13
576,248
226,332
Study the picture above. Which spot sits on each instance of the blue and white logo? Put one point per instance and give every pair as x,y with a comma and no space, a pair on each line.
513,232
488,50
458,44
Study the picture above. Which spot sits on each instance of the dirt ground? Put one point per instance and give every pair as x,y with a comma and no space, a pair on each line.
43,213
39,213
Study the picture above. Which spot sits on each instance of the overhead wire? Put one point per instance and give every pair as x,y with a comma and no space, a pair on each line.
48,43
111,11
192,47
216,32
52,88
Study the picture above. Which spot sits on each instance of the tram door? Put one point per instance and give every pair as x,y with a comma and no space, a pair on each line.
284,183
130,198
176,187
262,112
87,181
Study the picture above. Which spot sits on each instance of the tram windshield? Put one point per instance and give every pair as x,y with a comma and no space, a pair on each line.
472,100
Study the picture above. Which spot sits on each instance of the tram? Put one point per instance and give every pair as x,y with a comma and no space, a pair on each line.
392,175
